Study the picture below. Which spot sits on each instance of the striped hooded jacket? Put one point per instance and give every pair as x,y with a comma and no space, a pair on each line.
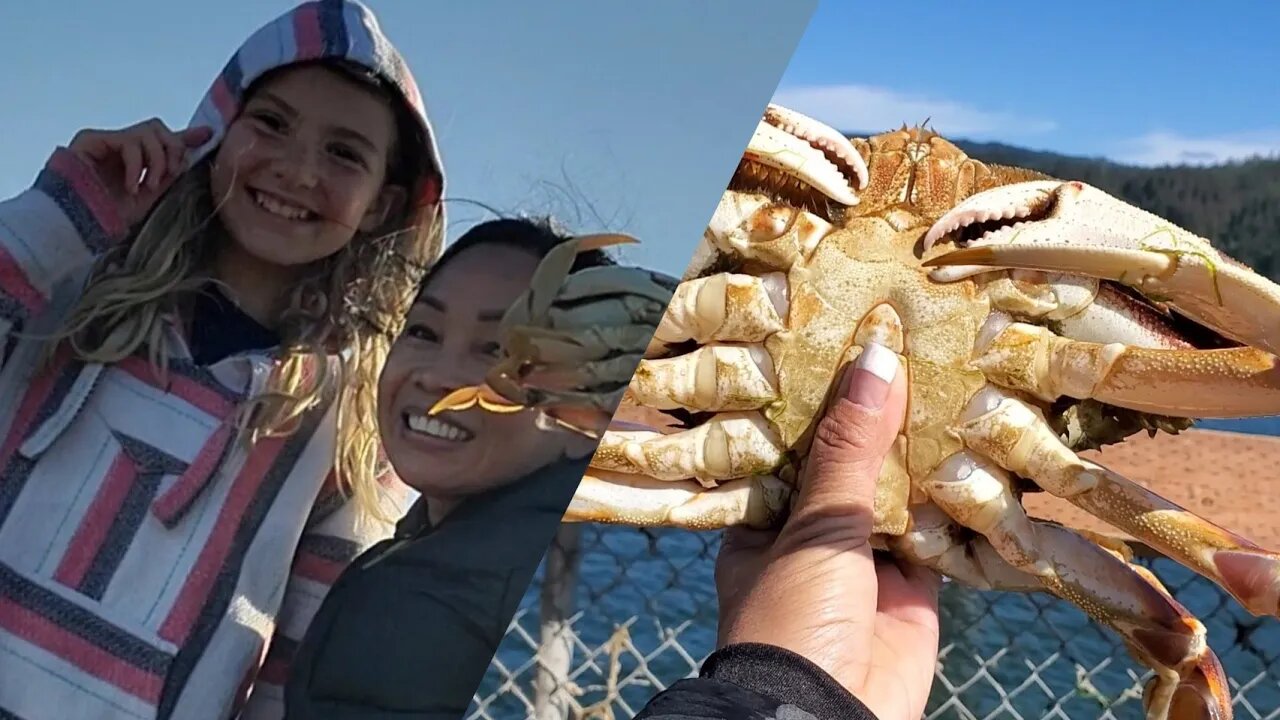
149,566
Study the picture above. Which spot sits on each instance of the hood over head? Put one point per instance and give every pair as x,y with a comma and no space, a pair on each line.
320,30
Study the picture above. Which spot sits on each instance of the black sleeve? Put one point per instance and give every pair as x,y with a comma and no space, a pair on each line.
756,682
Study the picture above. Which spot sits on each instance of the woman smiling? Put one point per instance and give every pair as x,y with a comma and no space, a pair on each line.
412,626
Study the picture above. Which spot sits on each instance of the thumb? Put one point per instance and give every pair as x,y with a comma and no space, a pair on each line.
818,594
837,486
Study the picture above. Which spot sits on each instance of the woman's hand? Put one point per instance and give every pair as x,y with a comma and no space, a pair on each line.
815,588
138,163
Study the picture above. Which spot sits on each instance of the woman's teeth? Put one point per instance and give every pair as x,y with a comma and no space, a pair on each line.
284,210
434,427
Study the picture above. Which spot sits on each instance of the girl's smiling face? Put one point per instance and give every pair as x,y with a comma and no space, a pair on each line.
303,167
450,340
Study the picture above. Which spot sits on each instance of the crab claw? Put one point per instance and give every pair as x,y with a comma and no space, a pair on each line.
468,397
1075,228
571,341
815,154
551,272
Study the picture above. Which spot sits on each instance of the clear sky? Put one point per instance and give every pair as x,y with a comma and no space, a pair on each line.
617,116
630,116
1145,82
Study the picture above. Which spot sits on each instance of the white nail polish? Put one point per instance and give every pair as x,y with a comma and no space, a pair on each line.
879,361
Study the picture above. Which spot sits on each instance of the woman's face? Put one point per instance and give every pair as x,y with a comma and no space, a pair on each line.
450,341
303,167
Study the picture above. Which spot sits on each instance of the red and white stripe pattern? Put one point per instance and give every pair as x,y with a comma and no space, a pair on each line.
151,566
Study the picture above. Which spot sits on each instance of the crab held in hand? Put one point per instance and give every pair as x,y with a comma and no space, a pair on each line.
572,341
1034,318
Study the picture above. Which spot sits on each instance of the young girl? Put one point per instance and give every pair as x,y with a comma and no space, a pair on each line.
191,329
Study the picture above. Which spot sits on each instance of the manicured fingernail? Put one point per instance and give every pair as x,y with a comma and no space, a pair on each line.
871,377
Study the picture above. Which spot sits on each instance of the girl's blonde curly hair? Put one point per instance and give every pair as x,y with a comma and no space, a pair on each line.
347,310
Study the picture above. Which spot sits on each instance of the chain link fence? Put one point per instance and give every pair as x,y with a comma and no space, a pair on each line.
616,615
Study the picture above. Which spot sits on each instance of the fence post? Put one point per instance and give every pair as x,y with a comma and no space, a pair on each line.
553,698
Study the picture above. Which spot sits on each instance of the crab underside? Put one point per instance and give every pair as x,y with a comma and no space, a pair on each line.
1035,319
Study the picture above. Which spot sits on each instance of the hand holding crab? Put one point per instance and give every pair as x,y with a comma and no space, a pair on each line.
1034,318
815,588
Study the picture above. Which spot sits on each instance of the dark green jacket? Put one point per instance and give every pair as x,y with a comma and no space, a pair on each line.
409,629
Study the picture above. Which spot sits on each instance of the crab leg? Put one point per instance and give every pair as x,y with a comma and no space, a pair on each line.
1233,382
1076,228
979,496
1189,682
637,501
754,227
1015,435
557,347
731,445
1082,308
717,377
725,307
552,271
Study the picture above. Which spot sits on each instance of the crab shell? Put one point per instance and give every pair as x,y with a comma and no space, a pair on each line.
572,341
1033,317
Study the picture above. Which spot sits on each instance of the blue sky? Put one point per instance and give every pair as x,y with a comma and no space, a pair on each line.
618,116
1142,82
630,116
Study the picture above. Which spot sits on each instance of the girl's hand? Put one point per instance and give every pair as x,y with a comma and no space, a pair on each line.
137,164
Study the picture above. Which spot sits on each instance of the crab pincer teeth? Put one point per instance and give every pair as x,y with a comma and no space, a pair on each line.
823,137
1004,206
1084,231
803,148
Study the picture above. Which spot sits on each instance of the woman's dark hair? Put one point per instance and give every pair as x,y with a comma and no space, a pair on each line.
536,236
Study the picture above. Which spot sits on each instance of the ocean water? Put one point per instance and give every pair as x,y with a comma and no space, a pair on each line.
1005,655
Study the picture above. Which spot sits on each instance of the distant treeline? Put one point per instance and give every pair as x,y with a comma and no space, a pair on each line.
1235,206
